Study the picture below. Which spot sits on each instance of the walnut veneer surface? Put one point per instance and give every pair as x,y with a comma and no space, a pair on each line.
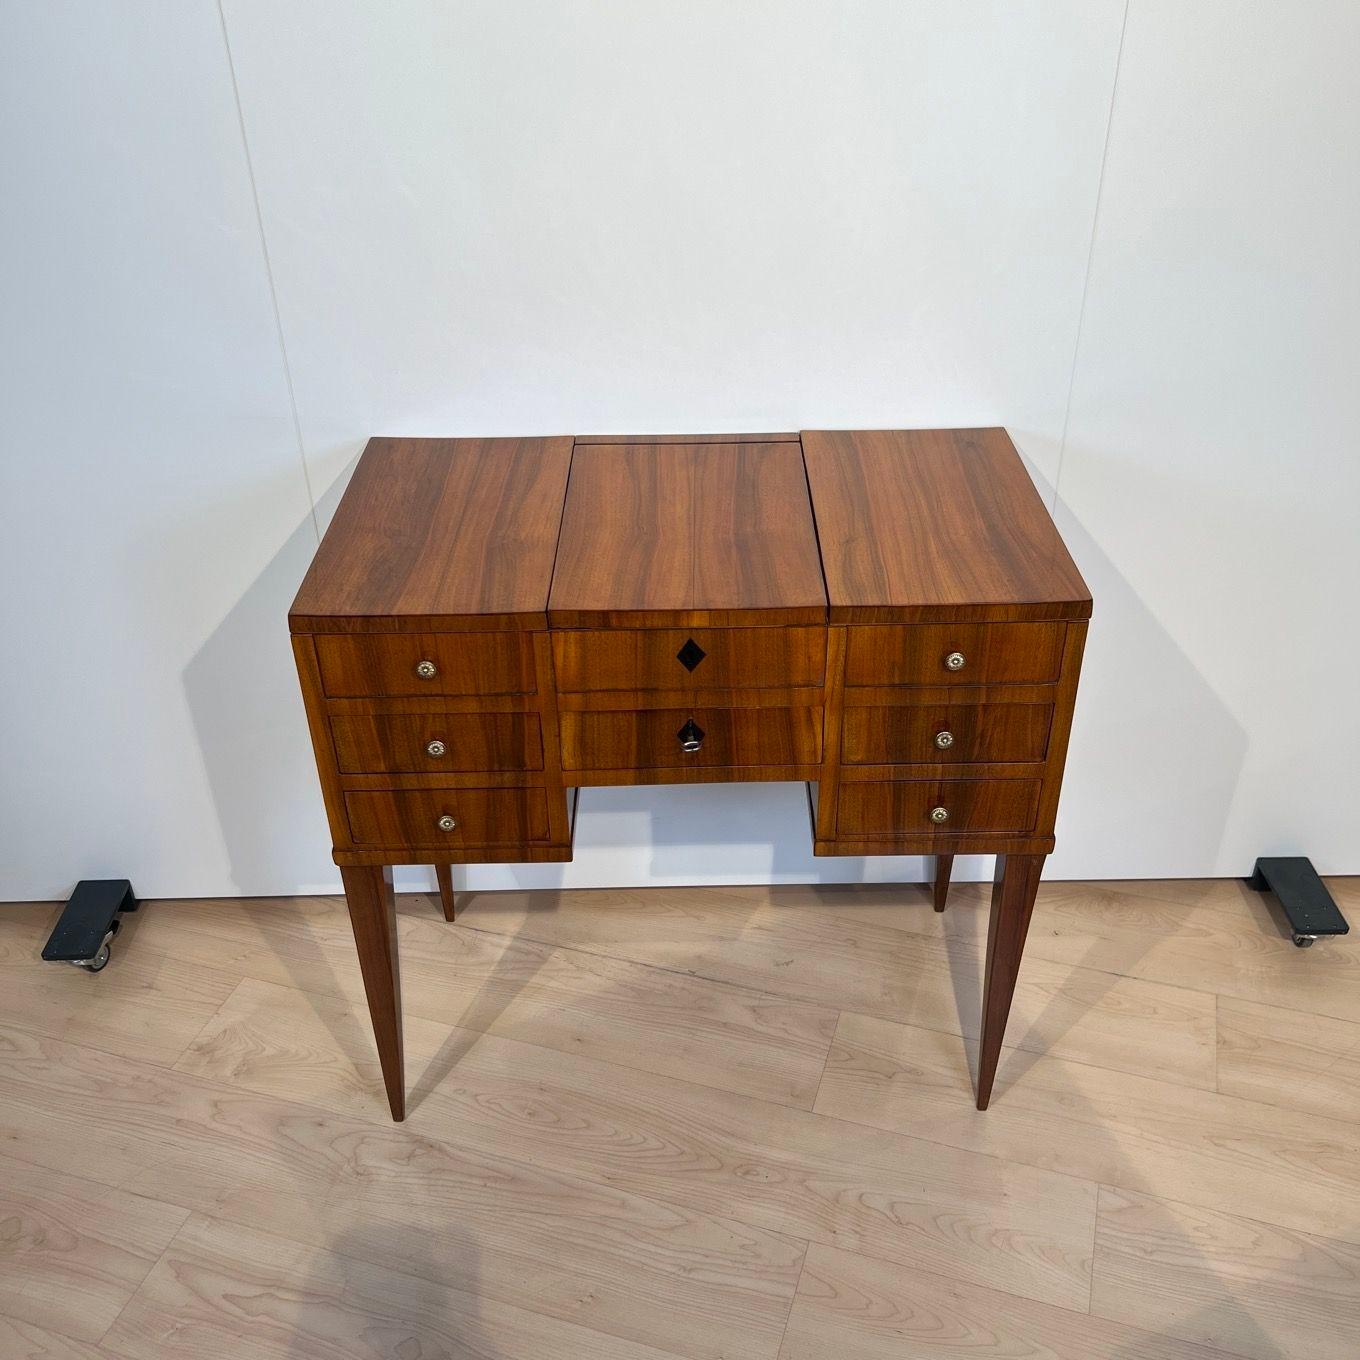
889,616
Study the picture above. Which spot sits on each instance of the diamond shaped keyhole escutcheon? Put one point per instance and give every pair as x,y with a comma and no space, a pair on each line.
690,655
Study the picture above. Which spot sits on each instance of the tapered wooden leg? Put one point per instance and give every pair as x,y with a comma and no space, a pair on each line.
444,873
941,866
1013,892
373,914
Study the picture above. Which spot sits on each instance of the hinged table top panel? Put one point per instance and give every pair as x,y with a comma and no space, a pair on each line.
935,524
663,535
440,534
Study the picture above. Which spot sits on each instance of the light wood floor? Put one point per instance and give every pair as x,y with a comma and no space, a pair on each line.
710,1123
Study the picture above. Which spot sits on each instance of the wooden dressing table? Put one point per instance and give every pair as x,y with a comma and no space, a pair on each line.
889,616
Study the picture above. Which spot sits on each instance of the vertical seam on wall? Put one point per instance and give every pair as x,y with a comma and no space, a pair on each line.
1090,257
269,273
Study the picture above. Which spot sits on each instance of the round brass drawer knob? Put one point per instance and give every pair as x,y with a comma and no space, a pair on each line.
427,670
435,748
446,823
939,815
944,740
954,661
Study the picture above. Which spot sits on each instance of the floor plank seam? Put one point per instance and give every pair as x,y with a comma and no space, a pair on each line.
141,1284
1033,1053
793,1301
826,1061
199,1032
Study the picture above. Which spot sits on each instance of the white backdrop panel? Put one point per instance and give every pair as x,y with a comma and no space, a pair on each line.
155,513
1211,484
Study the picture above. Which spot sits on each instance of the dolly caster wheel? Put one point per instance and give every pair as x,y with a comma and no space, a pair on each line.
101,959
99,962
1304,941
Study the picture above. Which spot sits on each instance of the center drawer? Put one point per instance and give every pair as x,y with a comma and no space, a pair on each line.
662,738
406,817
588,660
431,743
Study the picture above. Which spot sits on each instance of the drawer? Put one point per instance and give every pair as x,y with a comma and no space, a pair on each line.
354,664
652,738
681,658
903,807
429,743
481,817
907,734
920,654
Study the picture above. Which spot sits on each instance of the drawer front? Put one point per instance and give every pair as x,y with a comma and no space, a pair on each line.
357,664
481,817
903,807
920,654
679,659
928,733
655,738
431,743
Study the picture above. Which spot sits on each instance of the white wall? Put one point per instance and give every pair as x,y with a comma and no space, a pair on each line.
488,218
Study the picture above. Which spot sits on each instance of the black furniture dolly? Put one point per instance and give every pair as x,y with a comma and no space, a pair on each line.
84,934
1303,896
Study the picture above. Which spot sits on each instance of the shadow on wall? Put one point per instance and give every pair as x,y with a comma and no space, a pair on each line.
1155,756
243,693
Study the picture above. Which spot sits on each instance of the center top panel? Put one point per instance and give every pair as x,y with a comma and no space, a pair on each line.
662,534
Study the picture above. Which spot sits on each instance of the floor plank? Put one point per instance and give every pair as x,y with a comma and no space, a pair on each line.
739,1038
1290,1060
1198,1147
525,1235
146,1003
766,1165
222,1292
703,1123
1212,1277
25,1341
818,946
856,1308
73,1251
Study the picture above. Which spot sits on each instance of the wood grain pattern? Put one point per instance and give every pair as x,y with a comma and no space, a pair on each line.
567,1003
923,524
657,535
1272,1055
151,1006
903,807
883,952
606,1150
1213,1278
734,737
73,1251
417,1203
1196,1147
997,653
398,743
854,1307
423,607
440,533
384,664
977,732
771,1167
637,660
220,1282
1013,894
372,915
410,817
